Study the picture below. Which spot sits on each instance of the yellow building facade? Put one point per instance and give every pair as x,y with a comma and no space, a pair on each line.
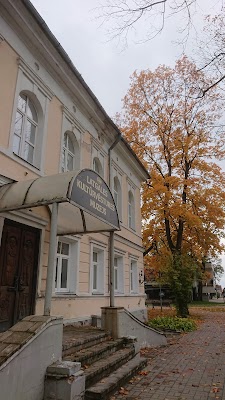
51,123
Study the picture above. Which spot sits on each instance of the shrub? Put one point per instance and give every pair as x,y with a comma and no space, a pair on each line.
173,323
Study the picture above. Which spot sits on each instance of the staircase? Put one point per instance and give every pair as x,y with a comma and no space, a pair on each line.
107,363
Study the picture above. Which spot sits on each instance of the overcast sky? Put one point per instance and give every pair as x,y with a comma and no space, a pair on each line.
104,65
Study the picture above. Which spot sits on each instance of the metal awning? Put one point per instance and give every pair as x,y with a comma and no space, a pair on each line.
85,203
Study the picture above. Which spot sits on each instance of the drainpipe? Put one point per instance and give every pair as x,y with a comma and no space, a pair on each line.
111,237
51,259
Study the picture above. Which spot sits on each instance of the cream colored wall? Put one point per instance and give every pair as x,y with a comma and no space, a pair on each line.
54,137
8,76
17,169
80,307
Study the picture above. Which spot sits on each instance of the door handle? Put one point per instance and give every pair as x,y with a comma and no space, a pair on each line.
18,285
15,287
21,288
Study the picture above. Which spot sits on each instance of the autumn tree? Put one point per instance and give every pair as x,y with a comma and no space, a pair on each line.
174,133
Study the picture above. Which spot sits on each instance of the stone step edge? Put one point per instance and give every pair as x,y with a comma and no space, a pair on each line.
108,385
85,341
104,365
99,349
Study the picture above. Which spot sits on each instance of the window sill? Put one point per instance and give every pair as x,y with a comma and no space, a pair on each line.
64,294
25,161
21,161
97,294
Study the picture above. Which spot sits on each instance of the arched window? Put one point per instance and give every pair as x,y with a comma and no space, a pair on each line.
25,129
97,166
117,194
68,156
131,210
69,152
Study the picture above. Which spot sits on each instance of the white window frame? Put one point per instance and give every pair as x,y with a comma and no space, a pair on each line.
67,152
98,159
133,273
40,95
72,269
97,166
117,193
119,271
131,210
100,289
71,126
22,136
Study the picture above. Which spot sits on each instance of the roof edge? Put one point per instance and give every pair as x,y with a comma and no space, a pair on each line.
69,62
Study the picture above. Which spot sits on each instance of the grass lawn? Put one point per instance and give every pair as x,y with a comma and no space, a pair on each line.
195,308
206,304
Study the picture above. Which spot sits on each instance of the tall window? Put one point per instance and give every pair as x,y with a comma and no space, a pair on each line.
133,277
62,267
97,167
131,210
116,283
68,155
25,129
117,195
97,271
118,274
67,262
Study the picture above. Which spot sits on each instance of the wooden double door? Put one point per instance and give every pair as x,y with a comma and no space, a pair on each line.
18,272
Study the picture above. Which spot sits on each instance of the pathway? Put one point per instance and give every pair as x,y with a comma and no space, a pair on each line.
192,368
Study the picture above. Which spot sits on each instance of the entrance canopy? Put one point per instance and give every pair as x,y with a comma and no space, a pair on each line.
85,201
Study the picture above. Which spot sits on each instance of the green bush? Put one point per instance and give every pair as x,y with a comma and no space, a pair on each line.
173,323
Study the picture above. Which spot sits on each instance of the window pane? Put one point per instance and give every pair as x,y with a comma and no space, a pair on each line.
56,272
28,152
95,256
31,112
69,162
59,247
96,166
116,279
18,124
65,140
116,198
70,145
65,249
95,276
16,144
63,160
30,132
131,281
64,273
22,100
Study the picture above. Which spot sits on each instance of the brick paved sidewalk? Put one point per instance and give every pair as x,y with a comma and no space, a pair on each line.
191,369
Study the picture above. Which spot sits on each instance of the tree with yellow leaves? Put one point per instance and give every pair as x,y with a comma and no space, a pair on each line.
176,133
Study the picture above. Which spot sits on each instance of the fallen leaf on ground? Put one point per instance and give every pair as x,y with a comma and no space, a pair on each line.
123,391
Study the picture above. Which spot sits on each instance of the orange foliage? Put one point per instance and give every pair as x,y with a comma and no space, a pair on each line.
171,129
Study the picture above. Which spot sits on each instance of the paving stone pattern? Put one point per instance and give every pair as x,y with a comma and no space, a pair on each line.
192,368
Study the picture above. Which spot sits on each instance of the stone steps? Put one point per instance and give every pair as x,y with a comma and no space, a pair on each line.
105,366
76,342
107,363
89,355
103,389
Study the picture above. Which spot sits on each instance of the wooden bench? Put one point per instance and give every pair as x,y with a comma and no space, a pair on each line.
165,303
